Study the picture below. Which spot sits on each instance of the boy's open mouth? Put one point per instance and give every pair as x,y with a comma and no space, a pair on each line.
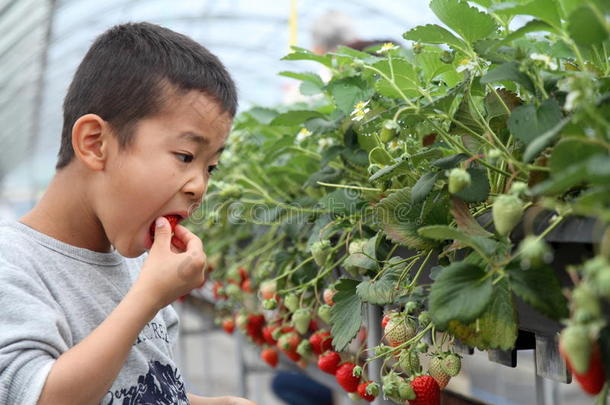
174,219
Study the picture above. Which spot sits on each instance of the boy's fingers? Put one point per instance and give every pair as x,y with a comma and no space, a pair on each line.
189,239
163,232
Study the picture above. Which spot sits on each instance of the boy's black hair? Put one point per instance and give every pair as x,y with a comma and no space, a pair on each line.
125,74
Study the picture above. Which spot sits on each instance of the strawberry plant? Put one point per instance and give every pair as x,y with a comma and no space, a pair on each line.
412,179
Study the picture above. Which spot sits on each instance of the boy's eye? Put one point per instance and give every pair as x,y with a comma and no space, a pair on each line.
185,157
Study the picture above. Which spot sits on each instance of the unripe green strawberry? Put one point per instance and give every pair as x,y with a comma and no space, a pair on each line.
422,347
301,319
459,179
324,313
389,129
410,307
586,305
494,154
398,330
356,246
602,284
409,361
452,364
231,191
576,344
241,320
436,370
233,291
424,319
534,252
268,289
507,212
270,304
291,302
320,251
518,188
405,390
389,385
304,348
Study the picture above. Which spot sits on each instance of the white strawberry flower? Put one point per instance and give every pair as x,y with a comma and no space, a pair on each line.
302,135
466,64
546,60
360,110
387,47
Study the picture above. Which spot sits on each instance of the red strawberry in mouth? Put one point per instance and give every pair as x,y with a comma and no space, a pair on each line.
173,221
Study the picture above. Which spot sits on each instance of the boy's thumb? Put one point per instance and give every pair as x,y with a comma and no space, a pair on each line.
163,231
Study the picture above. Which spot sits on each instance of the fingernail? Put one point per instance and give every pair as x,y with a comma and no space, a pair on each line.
160,222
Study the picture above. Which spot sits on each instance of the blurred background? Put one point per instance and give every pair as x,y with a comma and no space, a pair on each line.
43,41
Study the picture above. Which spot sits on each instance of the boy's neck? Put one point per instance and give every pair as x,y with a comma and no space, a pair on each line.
64,213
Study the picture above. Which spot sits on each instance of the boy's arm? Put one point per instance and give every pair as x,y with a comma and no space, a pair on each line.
85,373
197,400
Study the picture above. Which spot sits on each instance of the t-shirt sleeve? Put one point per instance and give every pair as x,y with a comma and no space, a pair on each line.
33,334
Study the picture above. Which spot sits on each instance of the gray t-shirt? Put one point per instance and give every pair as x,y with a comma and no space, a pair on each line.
52,296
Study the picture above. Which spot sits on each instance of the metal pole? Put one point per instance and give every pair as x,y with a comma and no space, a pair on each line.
373,337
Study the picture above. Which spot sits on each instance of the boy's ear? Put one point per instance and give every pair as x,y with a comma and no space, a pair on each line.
90,136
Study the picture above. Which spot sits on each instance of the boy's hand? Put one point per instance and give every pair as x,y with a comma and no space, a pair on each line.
174,265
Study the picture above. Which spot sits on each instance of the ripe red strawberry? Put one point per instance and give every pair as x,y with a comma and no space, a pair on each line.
268,334
289,342
385,320
313,325
243,274
254,327
329,362
173,221
427,391
320,342
575,348
362,391
294,356
328,296
270,356
346,378
246,286
217,291
436,370
398,330
228,324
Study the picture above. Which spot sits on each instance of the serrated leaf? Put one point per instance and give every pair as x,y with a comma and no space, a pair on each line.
366,259
262,115
508,72
496,328
464,219
530,26
478,190
540,288
570,150
348,92
398,217
399,78
528,122
467,21
484,246
383,290
304,54
562,181
545,10
544,140
386,173
295,117
304,77
461,293
424,185
435,34
346,314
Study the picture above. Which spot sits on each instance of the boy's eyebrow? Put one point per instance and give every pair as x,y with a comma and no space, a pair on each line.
199,140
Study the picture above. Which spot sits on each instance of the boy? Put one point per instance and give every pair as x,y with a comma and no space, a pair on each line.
85,313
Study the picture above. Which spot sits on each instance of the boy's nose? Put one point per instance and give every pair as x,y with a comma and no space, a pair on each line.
195,188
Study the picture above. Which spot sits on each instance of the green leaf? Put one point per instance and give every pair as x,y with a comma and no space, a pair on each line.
484,246
399,78
497,326
464,219
508,72
467,21
386,173
262,115
295,117
530,26
587,28
424,185
431,65
450,162
313,78
478,190
398,217
528,122
540,288
546,10
348,92
304,54
342,201
461,293
570,150
435,34
346,314
544,140
384,290
326,175
562,181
